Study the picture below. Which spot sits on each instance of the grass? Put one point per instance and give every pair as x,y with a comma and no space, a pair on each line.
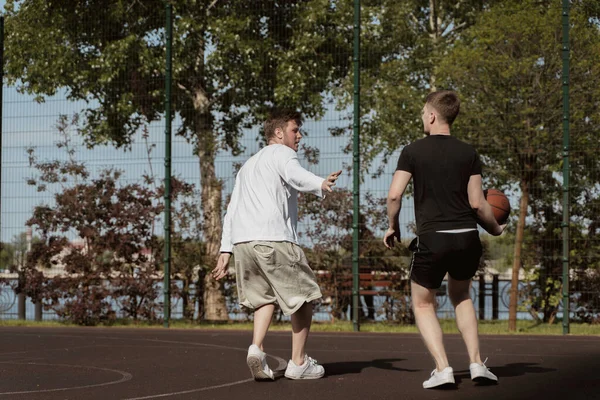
449,326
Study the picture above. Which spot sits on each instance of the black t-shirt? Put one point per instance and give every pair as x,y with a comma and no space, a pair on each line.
441,166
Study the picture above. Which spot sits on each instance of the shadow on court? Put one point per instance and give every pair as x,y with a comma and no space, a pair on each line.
520,369
356,367
118,363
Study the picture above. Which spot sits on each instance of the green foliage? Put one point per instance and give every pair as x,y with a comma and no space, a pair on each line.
401,42
507,69
97,51
231,60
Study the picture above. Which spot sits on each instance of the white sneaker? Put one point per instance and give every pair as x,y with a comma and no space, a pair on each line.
257,362
309,370
439,378
481,373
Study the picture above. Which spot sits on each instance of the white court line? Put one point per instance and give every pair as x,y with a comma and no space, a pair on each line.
136,339
349,336
125,376
155,396
53,349
281,362
21,360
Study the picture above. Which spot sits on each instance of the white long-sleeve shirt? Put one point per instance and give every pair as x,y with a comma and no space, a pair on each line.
264,201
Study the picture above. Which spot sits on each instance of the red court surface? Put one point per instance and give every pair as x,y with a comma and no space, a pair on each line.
115,363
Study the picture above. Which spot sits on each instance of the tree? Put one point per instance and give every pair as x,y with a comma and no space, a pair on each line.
118,257
402,42
114,223
507,70
232,60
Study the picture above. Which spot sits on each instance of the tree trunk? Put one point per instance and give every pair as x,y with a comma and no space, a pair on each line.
214,300
199,293
435,35
209,292
185,299
512,309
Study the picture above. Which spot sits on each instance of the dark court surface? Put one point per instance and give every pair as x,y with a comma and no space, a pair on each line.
115,363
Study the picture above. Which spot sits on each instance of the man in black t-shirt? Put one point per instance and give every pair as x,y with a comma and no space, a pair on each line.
449,203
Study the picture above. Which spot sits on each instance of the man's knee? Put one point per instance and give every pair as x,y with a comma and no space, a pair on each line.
421,296
458,296
423,302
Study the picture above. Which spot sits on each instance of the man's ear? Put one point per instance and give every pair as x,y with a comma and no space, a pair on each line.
432,117
279,133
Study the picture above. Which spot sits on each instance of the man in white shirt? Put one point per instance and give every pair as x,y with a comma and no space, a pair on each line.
259,228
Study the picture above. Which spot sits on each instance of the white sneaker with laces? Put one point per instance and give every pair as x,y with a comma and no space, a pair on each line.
257,362
310,369
481,373
439,378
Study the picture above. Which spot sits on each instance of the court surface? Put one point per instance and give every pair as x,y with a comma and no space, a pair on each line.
116,363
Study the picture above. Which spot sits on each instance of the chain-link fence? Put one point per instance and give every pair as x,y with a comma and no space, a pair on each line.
83,148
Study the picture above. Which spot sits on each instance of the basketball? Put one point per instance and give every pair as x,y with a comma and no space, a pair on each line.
500,204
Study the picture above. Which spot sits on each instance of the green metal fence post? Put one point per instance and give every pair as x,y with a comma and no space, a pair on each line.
356,170
1,115
167,250
566,171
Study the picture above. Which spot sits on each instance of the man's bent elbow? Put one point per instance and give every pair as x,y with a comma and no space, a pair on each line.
393,199
476,202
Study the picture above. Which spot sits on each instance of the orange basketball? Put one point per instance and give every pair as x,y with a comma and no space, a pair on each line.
500,204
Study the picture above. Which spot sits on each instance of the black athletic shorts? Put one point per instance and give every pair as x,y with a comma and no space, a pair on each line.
436,253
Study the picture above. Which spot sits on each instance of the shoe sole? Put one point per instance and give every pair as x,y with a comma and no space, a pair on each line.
483,379
448,383
255,365
441,385
304,377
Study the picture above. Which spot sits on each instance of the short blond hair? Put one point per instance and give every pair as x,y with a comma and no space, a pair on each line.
446,103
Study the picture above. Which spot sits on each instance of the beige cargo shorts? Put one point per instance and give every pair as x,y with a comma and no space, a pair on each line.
269,272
